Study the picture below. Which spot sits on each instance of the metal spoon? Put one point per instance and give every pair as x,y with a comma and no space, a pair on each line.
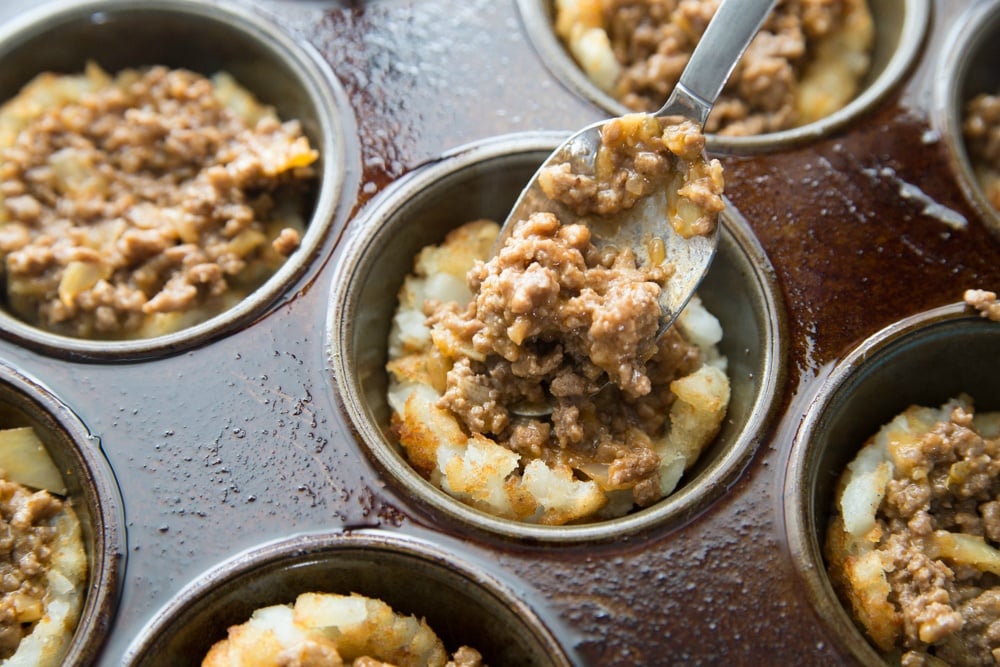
727,36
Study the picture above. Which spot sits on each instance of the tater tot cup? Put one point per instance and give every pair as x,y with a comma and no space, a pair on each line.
204,37
483,180
966,69
462,605
900,26
91,491
925,360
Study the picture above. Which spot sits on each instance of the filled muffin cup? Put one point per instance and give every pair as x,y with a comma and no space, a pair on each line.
91,492
899,28
462,605
967,69
923,360
205,38
483,181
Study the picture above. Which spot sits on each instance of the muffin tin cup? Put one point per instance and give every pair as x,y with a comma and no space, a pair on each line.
967,68
460,604
92,492
204,37
482,181
900,26
925,360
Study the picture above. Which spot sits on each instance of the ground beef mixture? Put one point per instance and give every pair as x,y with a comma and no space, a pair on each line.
982,140
650,42
555,319
935,539
27,537
139,204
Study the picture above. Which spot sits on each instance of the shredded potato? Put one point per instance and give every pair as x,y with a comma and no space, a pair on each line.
831,79
580,24
329,630
26,461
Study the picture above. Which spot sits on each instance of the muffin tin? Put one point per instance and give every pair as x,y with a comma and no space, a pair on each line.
250,456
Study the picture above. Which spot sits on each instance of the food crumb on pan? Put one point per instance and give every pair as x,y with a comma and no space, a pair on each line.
138,204
43,564
329,630
807,62
985,302
553,319
912,546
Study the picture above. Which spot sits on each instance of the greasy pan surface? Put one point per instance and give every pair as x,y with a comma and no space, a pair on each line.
240,440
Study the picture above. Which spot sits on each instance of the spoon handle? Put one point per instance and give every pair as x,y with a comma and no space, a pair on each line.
727,36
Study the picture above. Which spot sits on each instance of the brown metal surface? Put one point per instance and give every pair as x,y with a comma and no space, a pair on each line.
240,441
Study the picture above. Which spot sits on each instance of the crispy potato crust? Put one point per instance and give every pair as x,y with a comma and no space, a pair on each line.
329,630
